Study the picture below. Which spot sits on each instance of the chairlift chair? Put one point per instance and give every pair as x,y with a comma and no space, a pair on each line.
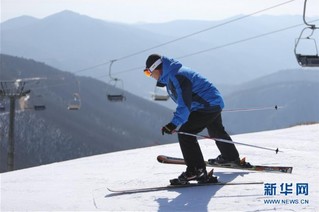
75,104
39,107
307,59
116,92
38,104
32,103
157,96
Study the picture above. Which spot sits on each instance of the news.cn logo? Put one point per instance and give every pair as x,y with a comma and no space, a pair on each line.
286,193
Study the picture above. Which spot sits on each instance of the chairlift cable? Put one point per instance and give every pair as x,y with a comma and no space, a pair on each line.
92,67
204,30
185,36
242,40
222,46
189,35
177,39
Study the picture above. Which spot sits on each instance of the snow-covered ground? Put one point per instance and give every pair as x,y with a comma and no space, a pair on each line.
81,184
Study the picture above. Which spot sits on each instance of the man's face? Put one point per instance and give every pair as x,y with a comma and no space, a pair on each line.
156,74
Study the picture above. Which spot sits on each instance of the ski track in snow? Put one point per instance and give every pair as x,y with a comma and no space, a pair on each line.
81,184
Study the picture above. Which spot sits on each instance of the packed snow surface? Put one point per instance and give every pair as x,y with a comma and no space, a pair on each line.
82,184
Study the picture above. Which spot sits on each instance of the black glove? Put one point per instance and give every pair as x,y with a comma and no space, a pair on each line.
168,128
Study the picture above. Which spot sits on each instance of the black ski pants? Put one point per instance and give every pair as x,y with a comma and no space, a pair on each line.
198,121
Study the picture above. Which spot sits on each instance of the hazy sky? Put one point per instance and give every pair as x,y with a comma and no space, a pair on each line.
132,11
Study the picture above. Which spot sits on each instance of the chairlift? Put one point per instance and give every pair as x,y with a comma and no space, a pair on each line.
31,102
75,104
39,107
116,92
309,59
37,97
159,95
38,103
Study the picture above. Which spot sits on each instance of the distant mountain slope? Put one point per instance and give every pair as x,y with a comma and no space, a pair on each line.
296,90
57,134
19,22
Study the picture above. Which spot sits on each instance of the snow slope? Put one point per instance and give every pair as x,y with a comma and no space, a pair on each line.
81,184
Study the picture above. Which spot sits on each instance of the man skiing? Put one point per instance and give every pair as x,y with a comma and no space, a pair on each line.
199,106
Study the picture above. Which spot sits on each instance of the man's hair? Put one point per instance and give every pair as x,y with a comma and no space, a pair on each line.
152,59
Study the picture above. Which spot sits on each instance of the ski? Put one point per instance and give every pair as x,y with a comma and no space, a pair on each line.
172,187
275,169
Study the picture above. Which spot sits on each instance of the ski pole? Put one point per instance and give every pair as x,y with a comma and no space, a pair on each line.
253,109
228,141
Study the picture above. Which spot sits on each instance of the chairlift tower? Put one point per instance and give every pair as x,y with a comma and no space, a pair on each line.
13,90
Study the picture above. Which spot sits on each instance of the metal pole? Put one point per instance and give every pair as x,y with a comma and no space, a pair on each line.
10,160
13,90
253,109
228,141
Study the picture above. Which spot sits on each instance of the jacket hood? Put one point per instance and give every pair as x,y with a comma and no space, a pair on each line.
169,65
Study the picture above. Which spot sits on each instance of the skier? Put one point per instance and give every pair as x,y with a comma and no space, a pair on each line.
199,106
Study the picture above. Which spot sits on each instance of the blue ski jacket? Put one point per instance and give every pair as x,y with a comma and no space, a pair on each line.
189,90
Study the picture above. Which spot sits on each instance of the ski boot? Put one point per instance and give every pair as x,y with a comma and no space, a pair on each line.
200,175
230,163
209,178
220,160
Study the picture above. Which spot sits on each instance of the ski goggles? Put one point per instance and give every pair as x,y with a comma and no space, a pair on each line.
148,71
